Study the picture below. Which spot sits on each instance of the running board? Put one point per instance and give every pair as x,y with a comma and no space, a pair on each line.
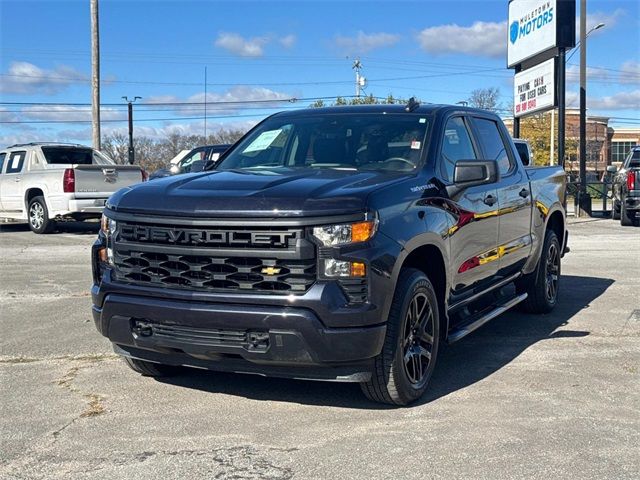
462,332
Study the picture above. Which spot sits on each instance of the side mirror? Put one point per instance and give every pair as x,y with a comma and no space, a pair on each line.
612,169
175,169
471,173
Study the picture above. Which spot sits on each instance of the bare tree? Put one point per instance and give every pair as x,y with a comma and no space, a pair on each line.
485,98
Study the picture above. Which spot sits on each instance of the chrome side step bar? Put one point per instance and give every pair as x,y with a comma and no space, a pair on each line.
462,332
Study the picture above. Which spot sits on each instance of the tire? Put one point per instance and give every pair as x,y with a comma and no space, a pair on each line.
542,284
402,371
615,213
150,369
625,220
38,216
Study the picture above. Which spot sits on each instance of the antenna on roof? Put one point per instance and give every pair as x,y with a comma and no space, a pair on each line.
412,104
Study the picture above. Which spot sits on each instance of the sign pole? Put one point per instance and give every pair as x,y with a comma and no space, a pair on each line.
516,119
561,105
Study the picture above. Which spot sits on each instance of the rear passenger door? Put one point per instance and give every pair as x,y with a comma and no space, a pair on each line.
514,196
474,233
11,189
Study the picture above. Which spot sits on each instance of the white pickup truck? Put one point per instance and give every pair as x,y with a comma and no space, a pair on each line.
43,183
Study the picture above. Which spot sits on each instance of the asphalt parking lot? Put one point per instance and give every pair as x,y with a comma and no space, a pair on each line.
554,396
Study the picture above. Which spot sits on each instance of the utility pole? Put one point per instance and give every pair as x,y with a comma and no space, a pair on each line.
562,106
360,80
131,149
95,75
584,200
205,104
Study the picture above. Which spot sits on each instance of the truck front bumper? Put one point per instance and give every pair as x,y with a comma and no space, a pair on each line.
276,341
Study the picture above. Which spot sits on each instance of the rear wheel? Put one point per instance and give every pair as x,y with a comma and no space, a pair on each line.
150,369
542,284
625,219
39,221
403,369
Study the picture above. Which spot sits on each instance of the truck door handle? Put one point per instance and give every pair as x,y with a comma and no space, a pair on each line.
524,193
17,179
490,200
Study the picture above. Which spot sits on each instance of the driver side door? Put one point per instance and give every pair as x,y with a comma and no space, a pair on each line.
473,234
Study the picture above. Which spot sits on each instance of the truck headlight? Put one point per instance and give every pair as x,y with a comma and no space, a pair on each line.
332,235
108,228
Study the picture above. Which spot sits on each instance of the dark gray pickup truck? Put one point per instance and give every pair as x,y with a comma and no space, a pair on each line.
342,243
626,189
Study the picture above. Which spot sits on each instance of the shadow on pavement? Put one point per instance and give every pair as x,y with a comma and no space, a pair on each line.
468,361
79,228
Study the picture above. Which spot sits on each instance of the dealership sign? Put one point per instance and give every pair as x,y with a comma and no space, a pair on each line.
539,27
534,89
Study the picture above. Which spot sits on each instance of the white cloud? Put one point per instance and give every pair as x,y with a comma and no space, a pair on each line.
595,18
593,73
618,101
630,72
488,39
287,41
365,42
232,99
238,45
68,113
27,78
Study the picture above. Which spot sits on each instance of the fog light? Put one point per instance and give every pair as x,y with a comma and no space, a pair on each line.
343,268
336,268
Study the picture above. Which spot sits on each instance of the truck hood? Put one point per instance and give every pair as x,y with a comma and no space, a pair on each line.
241,193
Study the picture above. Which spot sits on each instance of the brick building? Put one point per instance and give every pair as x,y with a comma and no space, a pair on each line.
605,144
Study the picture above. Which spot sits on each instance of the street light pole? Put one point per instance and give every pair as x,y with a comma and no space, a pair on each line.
584,199
130,109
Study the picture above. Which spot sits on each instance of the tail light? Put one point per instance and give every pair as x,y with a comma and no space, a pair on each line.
145,175
631,180
69,181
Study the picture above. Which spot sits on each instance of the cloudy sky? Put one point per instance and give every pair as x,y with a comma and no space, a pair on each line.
272,56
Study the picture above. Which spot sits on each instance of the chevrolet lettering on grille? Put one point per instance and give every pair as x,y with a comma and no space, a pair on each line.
138,233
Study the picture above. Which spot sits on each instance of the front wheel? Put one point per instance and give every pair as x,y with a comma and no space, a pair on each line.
402,370
542,285
39,221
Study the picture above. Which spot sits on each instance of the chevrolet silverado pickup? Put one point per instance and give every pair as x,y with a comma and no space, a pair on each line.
46,183
340,243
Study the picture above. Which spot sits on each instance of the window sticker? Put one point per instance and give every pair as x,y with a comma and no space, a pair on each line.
422,120
264,141
415,145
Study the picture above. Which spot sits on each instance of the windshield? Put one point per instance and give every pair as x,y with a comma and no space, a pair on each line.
389,142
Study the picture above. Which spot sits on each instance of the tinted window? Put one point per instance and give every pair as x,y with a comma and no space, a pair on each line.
16,161
634,159
492,144
456,145
199,155
68,155
523,151
2,155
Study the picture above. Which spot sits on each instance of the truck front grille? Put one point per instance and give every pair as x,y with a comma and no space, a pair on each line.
240,259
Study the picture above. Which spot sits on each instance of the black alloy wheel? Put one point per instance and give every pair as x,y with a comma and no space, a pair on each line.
417,343
552,273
